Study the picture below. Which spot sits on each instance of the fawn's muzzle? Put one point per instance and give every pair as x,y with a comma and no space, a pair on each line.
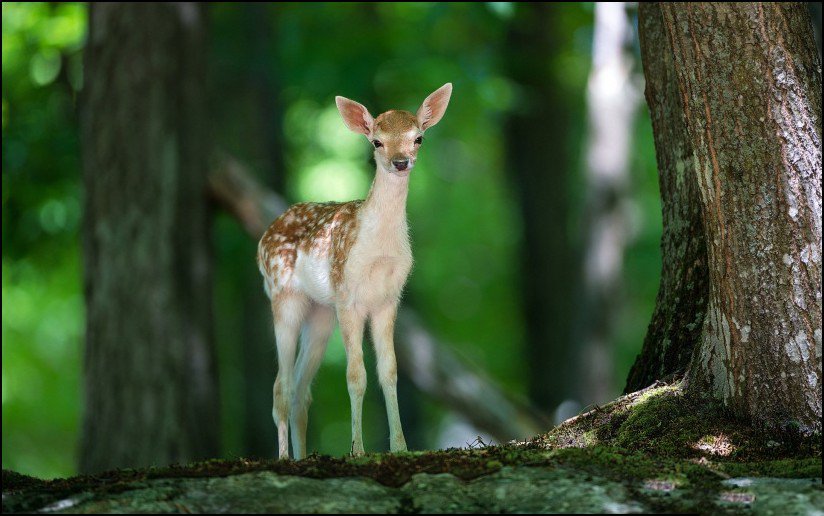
400,164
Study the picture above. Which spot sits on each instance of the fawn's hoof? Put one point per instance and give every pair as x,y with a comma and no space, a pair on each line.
357,449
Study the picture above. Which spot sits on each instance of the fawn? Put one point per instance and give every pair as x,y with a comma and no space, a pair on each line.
347,261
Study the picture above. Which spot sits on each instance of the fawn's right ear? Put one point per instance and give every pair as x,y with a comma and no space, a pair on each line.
355,116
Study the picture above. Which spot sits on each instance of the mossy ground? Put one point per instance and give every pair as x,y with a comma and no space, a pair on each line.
663,421
656,437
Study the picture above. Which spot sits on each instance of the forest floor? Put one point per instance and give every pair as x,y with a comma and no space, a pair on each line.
655,450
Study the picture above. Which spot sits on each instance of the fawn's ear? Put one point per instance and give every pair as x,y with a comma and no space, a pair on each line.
433,108
355,116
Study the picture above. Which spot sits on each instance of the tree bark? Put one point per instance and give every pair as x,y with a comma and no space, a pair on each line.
682,296
150,381
749,86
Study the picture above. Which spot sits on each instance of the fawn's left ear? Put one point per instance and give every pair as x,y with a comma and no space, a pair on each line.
433,108
355,116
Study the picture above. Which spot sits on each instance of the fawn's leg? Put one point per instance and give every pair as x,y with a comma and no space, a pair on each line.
287,310
319,325
351,325
383,326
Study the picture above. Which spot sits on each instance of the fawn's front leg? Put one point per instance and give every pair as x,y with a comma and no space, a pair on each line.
351,325
383,327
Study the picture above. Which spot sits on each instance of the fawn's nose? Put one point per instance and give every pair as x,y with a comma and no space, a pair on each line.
401,164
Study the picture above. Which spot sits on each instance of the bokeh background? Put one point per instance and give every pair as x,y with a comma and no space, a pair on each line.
475,219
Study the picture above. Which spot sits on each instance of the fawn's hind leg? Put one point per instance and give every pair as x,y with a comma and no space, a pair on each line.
288,310
319,325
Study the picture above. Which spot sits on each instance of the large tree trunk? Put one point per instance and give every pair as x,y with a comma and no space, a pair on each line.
150,383
749,93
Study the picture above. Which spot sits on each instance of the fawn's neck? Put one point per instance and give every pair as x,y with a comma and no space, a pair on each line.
385,207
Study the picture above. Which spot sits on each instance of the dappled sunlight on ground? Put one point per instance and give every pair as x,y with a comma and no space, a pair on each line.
715,445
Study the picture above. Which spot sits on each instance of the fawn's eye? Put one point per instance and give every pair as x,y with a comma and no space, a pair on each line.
419,140
377,144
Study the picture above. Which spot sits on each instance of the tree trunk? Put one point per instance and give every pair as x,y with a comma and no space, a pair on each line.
542,176
749,89
684,290
249,74
150,383
612,103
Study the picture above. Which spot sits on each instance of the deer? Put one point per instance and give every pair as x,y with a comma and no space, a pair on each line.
345,262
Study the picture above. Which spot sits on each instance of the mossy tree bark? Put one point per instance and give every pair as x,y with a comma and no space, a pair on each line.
749,86
150,385
684,289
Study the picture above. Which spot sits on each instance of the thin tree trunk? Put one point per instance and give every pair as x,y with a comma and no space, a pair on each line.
263,94
684,289
612,102
749,89
150,382
541,167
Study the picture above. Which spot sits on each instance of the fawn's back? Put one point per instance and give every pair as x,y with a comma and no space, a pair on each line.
306,248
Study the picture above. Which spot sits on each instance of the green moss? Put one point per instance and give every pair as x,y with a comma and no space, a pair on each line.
656,435
665,422
782,468
13,481
660,422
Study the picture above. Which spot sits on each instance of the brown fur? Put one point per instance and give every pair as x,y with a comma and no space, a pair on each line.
319,228
396,121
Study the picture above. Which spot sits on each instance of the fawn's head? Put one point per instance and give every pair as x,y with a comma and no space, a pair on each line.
396,135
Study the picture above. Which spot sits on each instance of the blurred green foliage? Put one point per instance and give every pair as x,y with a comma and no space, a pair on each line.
464,223
42,296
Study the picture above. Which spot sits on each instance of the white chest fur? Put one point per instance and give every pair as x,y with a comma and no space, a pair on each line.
378,264
381,257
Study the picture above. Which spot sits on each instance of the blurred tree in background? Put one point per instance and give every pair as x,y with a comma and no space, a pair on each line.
273,74
548,108
150,386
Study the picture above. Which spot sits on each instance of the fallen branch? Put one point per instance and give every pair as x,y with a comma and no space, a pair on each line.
431,365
